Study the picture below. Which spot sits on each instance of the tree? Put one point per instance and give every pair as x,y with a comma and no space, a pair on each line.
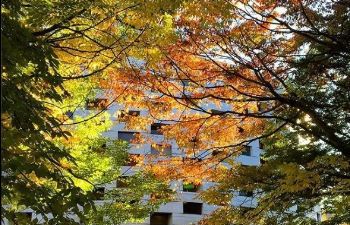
245,70
48,48
27,124
294,179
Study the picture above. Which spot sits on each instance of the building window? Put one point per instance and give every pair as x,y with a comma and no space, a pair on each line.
192,208
160,149
217,112
261,145
247,151
215,152
122,114
190,187
122,182
156,128
98,103
132,160
160,218
98,193
245,193
126,135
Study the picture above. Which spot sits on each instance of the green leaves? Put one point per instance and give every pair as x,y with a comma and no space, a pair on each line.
51,162
142,194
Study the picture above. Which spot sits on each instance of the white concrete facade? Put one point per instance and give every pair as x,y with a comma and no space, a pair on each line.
175,209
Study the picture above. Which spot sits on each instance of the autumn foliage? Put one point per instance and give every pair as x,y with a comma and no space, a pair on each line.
218,74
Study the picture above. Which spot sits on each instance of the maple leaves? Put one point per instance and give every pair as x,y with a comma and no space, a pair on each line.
242,70
56,54
222,74
242,67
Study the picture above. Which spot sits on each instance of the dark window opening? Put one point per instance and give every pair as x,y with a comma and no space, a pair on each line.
247,150
261,145
98,103
133,202
192,208
160,149
215,152
122,182
132,160
190,187
123,114
217,112
156,128
245,193
160,218
99,193
126,136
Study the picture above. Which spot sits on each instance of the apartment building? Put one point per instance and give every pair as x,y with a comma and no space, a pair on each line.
186,208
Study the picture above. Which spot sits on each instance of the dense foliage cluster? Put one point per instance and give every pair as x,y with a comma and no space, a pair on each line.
222,74
243,70
52,161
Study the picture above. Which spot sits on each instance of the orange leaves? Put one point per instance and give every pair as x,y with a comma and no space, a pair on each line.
193,170
221,62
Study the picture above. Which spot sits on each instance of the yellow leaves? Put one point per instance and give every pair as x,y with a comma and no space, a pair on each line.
154,55
330,160
65,164
6,120
298,179
35,179
95,65
95,126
